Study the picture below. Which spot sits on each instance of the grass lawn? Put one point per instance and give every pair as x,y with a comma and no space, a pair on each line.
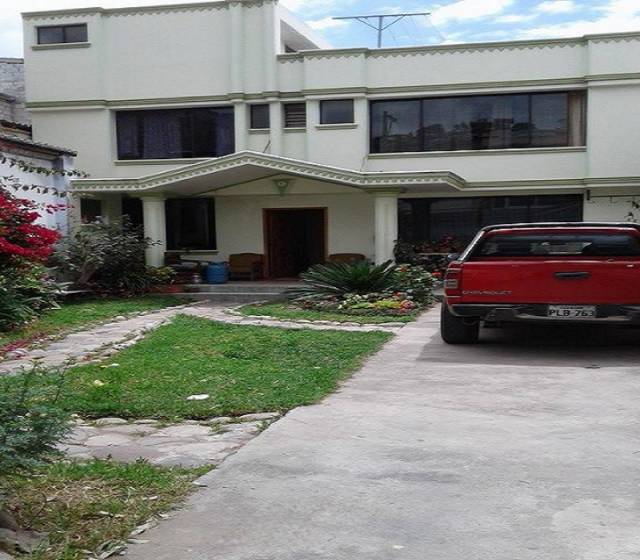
286,311
242,368
83,505
84,312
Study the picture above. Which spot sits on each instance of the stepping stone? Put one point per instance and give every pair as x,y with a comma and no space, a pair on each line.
108,440
109,421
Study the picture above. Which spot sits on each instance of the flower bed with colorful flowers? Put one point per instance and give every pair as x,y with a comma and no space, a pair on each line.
410,288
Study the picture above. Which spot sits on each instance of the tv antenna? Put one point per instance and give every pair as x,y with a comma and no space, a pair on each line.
379,21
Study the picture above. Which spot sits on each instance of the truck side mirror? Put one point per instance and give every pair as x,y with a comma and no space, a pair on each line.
453,257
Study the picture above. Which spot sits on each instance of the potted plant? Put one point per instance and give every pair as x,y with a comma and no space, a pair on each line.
162,280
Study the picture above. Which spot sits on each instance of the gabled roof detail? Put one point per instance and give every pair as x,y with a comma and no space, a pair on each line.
271,164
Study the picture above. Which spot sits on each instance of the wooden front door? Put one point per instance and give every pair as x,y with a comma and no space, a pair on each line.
295,239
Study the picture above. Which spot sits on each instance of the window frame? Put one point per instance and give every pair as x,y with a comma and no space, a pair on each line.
263,106
421,143
64,29
190,127
325,102
285,106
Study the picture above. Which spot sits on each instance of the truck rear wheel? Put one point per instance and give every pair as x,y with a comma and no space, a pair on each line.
458,330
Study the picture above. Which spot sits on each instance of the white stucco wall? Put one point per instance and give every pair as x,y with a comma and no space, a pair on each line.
239,215
227,53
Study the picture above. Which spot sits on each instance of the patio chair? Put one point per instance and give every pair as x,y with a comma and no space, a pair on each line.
346,258
248,266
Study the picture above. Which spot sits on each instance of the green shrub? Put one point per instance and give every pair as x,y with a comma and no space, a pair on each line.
25,292
108,257
31,424
161,275
339,279
415,282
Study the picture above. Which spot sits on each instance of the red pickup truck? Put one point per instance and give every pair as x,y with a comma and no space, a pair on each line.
547,272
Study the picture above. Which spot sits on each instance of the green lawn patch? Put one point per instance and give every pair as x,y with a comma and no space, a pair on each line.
83,505
242,368
287,311
75,314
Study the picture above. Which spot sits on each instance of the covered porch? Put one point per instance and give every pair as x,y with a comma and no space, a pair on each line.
293,213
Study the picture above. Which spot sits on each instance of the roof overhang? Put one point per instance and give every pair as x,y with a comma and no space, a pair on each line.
218,173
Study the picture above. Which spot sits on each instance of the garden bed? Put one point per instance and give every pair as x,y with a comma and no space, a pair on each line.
89,508
288,311
242,369
82,313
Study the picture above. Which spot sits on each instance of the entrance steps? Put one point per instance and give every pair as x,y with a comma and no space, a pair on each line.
237,292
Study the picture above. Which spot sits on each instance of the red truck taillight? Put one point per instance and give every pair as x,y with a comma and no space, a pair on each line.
453,280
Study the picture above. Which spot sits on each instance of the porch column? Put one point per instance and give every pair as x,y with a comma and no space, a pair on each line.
386,224
155,228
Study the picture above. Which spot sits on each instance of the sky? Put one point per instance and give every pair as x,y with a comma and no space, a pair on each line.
450,21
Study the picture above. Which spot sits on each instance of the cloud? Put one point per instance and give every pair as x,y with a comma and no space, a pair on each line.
313,7
468,10
325,23
515,18
617,15
556,7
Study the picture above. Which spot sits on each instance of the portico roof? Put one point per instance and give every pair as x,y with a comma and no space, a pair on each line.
223,172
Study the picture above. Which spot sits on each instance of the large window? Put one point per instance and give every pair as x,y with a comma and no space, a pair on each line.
52,34
432,219
478,122
191,224
260,116
175,133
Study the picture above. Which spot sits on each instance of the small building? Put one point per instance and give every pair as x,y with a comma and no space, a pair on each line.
228,127
16,143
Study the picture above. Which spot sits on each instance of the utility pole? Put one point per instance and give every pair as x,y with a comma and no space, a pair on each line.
379,21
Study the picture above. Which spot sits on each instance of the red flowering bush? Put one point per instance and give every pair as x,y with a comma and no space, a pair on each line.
21,239
25,290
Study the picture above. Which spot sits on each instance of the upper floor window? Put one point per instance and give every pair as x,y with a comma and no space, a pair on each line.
260,116
175,133
52,34
478,122
336,111
295,115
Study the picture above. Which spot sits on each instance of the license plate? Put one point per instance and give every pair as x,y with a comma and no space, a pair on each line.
572,311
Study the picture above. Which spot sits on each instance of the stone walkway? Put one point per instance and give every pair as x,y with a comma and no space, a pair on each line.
189,444
103,340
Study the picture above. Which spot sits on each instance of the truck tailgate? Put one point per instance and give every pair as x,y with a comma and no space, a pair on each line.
553,281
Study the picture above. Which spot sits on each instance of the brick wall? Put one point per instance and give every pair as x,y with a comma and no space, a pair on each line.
12,84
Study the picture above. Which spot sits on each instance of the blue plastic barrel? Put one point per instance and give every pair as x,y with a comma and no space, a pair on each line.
217,273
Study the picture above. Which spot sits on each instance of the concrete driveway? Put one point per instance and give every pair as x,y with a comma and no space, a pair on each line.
501,451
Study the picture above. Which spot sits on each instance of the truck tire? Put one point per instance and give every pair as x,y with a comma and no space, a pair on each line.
458,330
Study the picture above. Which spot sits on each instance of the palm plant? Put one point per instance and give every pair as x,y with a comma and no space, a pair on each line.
338,279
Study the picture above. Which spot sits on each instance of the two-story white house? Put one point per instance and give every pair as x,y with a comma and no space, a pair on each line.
226,127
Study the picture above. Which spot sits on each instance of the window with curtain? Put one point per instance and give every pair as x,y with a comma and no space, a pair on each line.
431,219
478,122
191,224
175,133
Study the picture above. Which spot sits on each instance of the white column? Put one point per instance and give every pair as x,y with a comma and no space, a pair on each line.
270,45
111,207
155,228
236,62
240,110
275,124
386,224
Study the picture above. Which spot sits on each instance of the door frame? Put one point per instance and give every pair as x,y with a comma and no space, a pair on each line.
265,232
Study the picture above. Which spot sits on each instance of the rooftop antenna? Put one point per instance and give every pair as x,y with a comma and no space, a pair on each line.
379,21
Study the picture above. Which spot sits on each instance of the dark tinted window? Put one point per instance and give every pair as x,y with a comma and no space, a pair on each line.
559,244
175,133
295,115
62,34
191,223
336,111
478,122
430,220
90,210
260,116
